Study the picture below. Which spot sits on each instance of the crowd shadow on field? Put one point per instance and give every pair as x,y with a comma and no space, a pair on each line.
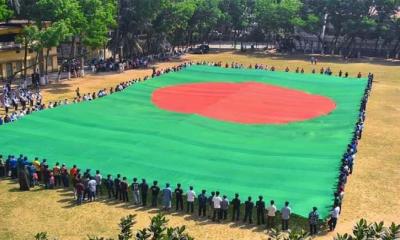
67,201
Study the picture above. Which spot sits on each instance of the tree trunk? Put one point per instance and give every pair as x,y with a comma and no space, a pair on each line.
41,67
46,65
25,61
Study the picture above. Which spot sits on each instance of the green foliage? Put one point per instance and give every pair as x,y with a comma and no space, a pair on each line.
5,12
364,230
290,235
126,227
41,236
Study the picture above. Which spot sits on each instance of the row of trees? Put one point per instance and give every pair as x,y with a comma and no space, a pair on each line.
149,26
138,27
81,23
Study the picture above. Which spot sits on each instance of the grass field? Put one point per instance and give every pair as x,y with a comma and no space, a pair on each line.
371,191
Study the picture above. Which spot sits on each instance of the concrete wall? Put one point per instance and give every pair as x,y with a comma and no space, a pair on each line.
12,60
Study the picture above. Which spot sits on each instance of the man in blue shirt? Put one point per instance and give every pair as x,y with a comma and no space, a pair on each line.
202,203
13,167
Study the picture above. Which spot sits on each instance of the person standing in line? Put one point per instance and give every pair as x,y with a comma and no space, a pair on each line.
64,176
260,207
110,186
136,192
92,189
167,197
202,199
191,195
210,203
217,207
73,171
144,188
155,190
79,189
57,175
224,207
313,219
271,212
286,211
248,210
124,190
179,197
99,180
117,187
334,217
236,208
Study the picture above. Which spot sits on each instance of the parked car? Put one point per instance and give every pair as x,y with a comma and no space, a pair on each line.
202,49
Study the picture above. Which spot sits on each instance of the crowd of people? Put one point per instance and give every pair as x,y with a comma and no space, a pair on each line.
216,206
22,101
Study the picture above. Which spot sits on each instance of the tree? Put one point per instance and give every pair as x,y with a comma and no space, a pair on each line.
28,37
5,12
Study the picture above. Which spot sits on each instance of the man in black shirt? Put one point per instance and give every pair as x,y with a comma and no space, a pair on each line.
109,186
144,188
179,197
260,206
154,194
124,190
235,208
248,210
210,203
117,186
202,203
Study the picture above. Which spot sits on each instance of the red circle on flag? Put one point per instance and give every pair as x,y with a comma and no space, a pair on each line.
246,103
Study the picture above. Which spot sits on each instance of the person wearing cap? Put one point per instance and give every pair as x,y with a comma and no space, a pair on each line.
167,197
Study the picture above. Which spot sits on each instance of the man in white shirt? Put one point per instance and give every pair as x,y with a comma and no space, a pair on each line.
286,211
99,180
271,210
191,195
334,217
92,189
217,207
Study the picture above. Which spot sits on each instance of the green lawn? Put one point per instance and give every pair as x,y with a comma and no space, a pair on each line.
125,133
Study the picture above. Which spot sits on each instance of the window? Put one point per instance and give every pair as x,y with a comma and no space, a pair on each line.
19,67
